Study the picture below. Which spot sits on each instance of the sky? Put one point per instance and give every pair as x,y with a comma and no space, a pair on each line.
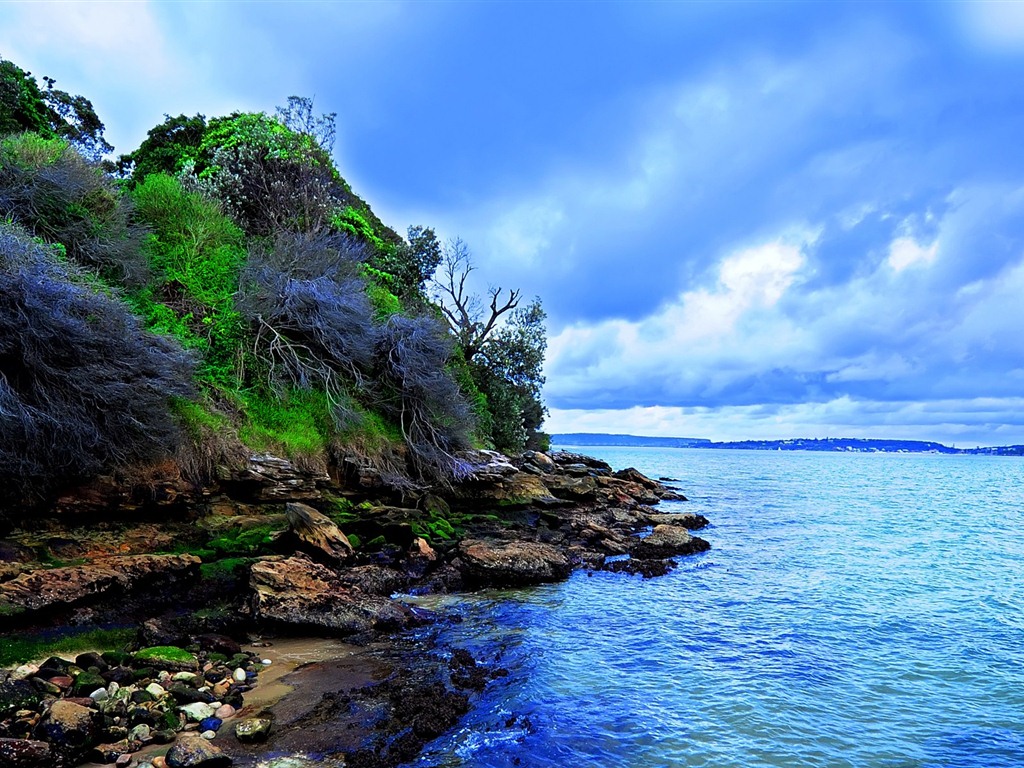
744,220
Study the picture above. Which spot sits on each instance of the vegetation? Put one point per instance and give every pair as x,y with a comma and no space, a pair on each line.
221,289
24,648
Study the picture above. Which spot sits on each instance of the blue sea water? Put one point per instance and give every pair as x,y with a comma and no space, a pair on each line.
854,610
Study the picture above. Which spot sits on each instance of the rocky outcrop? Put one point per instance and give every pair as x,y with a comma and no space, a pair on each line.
669,541
270,478
318,533
45,589
299,592
511,563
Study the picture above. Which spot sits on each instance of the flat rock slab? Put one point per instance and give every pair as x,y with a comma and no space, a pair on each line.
300,592
669,541
46,588
511,563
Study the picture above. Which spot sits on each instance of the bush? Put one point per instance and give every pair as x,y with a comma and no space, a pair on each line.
83,388
56,194
416,391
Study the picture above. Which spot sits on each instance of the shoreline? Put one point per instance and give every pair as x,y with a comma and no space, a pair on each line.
341,644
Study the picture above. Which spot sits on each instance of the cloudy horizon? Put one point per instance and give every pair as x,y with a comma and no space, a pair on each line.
756,221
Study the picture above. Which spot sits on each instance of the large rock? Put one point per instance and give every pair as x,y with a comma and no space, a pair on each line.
191,751
271,478
575,488
689,521
511,563
319,533
70,728
25,753
300,592
668,541
59,587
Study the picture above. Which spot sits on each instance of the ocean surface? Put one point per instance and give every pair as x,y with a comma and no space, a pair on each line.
854,610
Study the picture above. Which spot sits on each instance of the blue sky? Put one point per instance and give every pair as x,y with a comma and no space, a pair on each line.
745,220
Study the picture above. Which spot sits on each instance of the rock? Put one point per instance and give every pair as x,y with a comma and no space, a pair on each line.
238,675
635,476
218,644
24,672
210,724
511,563
669,541
25,753
90,660
167,657
184,677
319,533
155,690
72,585
69,727
689,521
253,730
540,460
575,488
111,753
87,682
300,592
100,694
197,711
141,732
224,712
17,694
271,478
192,751
123,761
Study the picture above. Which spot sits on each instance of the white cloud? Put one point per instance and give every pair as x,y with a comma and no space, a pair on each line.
905,252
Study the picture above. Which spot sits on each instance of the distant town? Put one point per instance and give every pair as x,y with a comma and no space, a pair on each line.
847,444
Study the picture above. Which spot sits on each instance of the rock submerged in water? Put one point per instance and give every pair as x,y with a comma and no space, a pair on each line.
511,563
253,730
669,541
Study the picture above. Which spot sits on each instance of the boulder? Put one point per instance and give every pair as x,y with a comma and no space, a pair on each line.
318,533
191,751
632,475
25,753
511,563
689,521
271,478
300,592
69,727
669,541
540,460
575,488
253,730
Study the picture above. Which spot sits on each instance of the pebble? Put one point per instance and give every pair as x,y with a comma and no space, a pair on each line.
239,675
124,760
198,711
155,689
210,724
140,732
159,762
25,671
164,677
113,688
100,694
209,735
185,677
266,662
224,712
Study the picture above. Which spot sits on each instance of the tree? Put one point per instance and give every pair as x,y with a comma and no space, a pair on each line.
52,113
505,357
464,310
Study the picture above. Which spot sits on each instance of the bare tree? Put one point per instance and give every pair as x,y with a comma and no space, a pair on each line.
463,310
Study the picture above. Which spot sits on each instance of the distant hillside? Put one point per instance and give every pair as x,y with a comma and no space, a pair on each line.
846,444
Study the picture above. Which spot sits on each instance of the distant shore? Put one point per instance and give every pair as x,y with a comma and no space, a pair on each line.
838,444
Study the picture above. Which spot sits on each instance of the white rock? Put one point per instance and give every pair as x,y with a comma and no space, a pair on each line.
197,711
238,675
113,688
25,671
100,694
209,735
155,689
185,677
266,662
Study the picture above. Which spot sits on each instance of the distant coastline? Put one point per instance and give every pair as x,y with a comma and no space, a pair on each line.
840,444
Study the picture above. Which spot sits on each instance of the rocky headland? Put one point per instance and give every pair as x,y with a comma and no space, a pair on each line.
272,552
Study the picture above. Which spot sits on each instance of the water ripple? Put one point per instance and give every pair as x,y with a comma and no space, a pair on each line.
856,610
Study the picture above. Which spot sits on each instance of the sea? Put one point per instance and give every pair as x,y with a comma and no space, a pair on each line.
855,610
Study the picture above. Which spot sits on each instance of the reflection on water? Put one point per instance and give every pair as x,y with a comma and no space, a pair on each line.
855,610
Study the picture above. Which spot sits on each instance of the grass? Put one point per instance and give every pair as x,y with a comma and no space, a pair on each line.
165,653
25,648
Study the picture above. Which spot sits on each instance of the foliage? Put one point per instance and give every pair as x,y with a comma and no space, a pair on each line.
52,113
51,190
198,254
169,148
83,388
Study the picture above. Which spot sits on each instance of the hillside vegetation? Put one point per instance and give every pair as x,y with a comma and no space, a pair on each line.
221,291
